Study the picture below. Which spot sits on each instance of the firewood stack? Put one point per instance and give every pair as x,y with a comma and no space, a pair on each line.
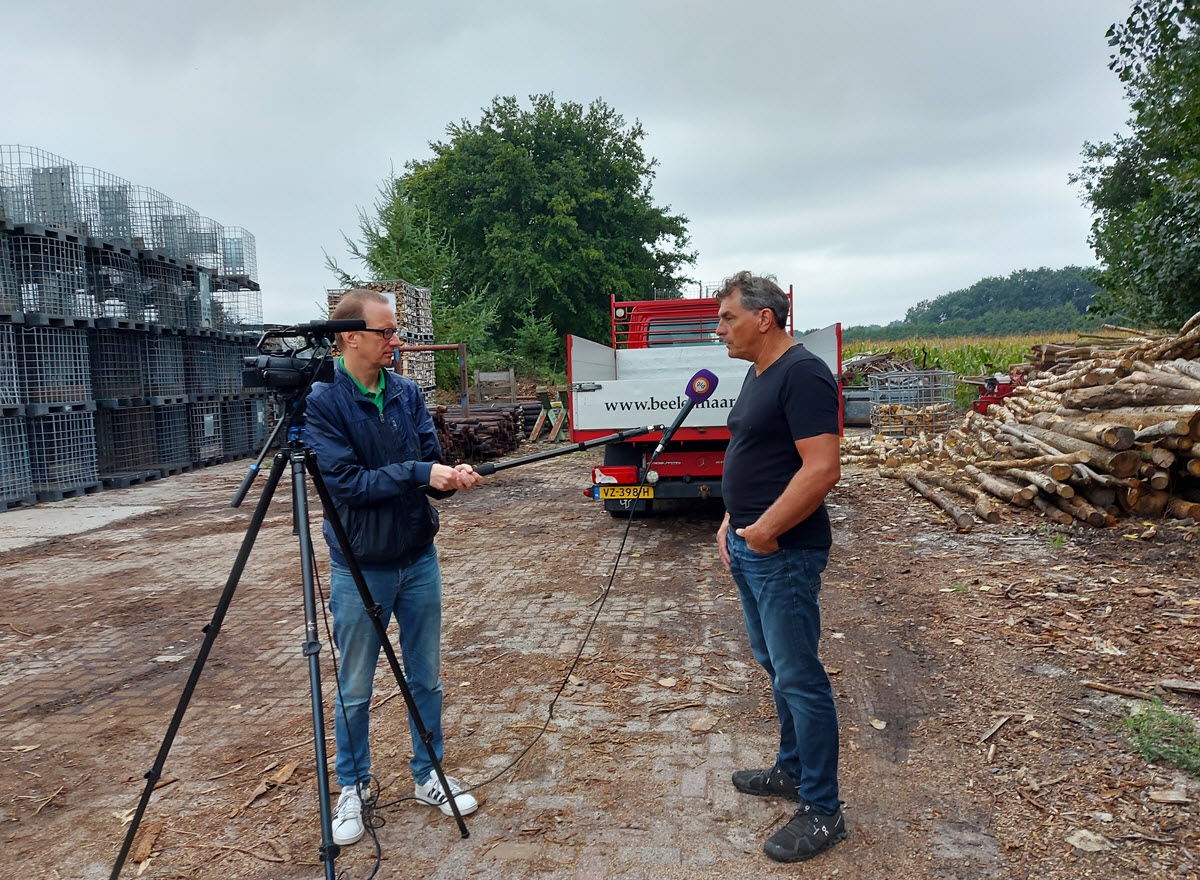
1095,436
491,431
862,365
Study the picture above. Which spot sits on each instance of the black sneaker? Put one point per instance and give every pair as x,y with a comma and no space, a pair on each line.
768,782
805,835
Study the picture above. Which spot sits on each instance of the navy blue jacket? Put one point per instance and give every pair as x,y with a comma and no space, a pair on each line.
376,466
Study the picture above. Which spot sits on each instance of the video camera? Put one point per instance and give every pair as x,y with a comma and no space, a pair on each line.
292,358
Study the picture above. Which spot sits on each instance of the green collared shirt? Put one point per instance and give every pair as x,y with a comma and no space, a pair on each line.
376,396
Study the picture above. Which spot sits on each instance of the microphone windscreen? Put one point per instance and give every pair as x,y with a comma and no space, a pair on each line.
701,386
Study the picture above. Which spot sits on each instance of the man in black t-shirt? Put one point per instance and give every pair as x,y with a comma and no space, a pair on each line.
782,460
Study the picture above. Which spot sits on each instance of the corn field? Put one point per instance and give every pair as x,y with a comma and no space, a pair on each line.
963,355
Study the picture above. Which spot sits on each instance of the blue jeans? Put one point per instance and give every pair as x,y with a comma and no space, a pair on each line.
783,620
414,596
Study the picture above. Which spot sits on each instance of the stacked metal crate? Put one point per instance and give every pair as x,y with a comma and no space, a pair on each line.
50,271
10,291
909,402
16,481
124,318
55,380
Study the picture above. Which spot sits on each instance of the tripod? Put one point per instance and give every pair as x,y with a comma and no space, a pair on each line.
303,464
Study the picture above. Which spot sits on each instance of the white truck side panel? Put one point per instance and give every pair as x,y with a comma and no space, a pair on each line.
646,386
591,361
824,344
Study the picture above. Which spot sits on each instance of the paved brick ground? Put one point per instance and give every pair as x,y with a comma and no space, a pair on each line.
101,629
630,780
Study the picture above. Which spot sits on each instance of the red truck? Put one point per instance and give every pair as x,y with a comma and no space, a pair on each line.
639,379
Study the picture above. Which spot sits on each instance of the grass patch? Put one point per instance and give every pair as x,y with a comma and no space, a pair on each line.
1055,541
1162,735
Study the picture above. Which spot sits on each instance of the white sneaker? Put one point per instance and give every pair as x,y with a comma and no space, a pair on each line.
347,817
431,793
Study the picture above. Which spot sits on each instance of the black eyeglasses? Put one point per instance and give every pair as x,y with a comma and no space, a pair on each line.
386,332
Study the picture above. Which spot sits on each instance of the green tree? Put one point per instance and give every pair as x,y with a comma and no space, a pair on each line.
1023,290
551,202
399,244
1144,187
536,347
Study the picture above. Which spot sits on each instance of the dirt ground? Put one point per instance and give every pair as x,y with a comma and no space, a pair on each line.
931,638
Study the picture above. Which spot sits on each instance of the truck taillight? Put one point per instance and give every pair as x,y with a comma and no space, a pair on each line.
615,475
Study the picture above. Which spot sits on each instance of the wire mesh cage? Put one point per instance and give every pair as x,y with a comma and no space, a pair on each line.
10,291
38,187
118,364
204,244
125,442
10,374
147,208
62,451
55,368
174,229
104,203
239,256
16,484
162,289
51,272
910,401
236,308
114,281
235,427
165,376
261,421
200,365
228,366
11,204
204,431
171,437
197,294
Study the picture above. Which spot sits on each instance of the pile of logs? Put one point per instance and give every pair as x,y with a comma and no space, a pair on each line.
1094,438
490,431
862,365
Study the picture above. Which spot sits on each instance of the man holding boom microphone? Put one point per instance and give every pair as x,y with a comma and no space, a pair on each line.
783,458
379,456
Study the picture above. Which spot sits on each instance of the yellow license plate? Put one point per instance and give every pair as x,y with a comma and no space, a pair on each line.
626,492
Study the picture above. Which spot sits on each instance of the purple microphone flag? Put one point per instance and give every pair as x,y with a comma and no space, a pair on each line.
701,386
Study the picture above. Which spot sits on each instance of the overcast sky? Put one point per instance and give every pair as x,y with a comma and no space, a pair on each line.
871,154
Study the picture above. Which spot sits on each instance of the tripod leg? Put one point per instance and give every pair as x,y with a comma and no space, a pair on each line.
210,636
312,650
375,613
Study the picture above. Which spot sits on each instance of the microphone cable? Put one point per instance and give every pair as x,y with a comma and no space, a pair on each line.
372,820
586,636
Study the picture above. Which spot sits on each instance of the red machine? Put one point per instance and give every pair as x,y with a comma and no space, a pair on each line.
994,389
